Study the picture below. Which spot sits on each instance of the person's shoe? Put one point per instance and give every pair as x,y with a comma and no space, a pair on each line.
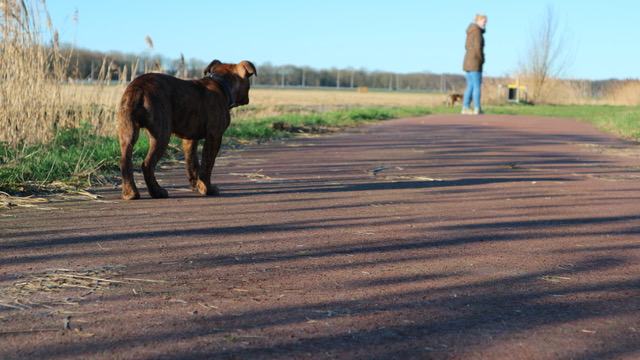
467,111
477,111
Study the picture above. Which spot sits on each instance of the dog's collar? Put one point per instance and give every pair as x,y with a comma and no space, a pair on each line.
226,87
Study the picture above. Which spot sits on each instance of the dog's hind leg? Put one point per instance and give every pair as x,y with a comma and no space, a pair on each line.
190,148
157,147
128,135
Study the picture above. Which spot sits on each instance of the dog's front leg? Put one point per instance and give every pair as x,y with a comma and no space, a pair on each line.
190,148
209,153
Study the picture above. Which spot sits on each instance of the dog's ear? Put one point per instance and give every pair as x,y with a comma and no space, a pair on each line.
209,69
245,69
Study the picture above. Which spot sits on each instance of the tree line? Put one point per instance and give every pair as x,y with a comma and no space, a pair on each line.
86,64
290,75
115,66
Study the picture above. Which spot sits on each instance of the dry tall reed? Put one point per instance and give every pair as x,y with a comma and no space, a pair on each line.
624,93
35,97
557,92
30,69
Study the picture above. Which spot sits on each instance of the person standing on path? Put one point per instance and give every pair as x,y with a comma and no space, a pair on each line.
473,61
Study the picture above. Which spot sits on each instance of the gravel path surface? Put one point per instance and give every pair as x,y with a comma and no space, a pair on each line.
438,237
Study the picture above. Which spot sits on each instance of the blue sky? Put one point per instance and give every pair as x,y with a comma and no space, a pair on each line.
400,36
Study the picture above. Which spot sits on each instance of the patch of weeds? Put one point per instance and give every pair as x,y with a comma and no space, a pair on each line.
76,157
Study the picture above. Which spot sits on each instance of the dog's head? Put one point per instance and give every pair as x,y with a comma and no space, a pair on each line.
237,76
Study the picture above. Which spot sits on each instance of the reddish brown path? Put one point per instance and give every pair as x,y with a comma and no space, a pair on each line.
444,237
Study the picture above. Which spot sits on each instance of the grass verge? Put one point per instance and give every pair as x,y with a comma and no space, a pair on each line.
73,158
76,157
622,121
261,129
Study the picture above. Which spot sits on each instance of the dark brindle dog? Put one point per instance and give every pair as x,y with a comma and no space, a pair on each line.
189,109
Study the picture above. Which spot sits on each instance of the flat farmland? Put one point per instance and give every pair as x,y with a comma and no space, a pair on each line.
353,98
269,102
266,97
99,102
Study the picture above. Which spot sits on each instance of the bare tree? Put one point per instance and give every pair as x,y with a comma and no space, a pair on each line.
548,57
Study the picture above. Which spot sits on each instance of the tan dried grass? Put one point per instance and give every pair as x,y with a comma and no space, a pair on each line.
625,93
342,98
557,92
35,98
269,102
28,73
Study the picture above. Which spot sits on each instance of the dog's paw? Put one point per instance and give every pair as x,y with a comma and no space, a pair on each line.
133,195
212,191
206,189
159,193
193,185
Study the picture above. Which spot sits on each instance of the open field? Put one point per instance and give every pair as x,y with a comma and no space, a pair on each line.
265,102
351,98
78,144
99,103
96,104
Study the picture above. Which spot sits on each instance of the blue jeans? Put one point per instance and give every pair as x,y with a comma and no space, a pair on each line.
474,86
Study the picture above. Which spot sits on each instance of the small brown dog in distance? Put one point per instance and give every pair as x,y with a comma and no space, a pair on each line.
189,109
452,98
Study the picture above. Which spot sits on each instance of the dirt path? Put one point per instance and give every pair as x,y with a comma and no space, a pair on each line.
444,237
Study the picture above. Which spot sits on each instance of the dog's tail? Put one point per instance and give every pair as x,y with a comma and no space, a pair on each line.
132,111
132,115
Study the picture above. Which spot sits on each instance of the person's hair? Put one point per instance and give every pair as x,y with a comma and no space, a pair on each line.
480,17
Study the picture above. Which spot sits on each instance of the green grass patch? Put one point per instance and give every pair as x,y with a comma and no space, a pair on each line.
75,157
623,121
261,129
